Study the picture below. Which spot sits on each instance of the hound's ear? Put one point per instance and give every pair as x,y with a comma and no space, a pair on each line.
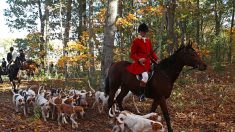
156,126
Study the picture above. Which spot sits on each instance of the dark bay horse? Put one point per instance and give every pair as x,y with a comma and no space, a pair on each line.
159,87
28,66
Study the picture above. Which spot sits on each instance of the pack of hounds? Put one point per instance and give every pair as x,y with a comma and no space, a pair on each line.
66,106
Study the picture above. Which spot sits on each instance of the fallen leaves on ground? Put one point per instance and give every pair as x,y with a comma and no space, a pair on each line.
200,101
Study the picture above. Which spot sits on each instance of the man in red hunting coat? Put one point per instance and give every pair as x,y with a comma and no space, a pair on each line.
141,54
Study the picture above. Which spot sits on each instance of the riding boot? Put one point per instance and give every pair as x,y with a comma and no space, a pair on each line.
142,96
142,91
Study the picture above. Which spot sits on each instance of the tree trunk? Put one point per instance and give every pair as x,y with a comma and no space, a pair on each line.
66,32
82,17
231,35
47,34
198,24
217,29
109,32
42,22
183,30
91,45
120,12
171,5
163,21
82,24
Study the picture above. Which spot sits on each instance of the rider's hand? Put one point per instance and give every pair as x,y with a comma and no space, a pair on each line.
142,60
158,61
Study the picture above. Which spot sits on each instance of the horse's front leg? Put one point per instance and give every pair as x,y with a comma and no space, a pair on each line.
166,114
18,85
13,86
1,81
154,105
111,98
120,97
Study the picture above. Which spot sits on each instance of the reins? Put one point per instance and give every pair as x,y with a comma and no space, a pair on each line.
152,52
189,70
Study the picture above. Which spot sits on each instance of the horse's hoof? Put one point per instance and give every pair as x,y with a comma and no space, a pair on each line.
170,130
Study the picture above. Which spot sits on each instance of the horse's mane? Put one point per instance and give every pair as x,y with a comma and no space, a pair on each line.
169,60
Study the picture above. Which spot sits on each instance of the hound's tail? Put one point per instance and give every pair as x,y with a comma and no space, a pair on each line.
41,87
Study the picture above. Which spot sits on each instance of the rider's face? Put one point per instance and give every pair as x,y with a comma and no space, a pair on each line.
143,34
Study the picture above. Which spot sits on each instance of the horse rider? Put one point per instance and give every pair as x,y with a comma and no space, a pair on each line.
21,57
10,57
4,65
142,54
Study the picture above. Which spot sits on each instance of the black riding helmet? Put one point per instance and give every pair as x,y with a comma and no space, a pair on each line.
11,48
143,28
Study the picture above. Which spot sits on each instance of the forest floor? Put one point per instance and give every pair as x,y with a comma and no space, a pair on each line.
200,101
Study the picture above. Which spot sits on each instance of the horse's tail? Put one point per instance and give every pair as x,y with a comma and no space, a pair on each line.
106,86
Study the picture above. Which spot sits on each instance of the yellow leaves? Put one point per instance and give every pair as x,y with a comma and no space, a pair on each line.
169,41
154,11
131,17
85,36
78,45
61,61
72,59
75,45
34,35
126,21
101,15
203,51
122,22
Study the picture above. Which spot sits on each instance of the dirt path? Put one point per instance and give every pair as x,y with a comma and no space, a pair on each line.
201,101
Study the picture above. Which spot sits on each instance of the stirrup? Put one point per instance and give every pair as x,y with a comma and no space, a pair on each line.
142,97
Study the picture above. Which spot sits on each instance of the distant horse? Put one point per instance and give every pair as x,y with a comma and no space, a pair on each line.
159,87
28,66
31,67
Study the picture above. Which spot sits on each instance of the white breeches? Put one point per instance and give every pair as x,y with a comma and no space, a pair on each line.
145,77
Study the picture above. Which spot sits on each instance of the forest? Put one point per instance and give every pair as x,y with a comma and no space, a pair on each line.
75,42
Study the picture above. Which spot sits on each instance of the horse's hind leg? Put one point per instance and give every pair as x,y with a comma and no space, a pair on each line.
120,97
1,81
18,85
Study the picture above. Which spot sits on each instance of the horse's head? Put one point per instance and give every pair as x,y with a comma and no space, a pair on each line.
31,65
191,58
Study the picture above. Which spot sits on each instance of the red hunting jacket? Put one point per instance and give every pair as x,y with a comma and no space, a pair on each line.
141,49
